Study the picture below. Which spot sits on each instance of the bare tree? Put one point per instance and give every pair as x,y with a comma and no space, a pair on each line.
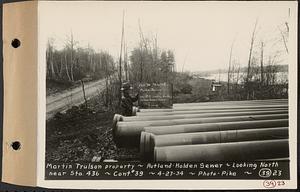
262,64
250,51
184,62
143,40
71,44
66,65
142,44
229,68
49,58
284,39
61,67
249,60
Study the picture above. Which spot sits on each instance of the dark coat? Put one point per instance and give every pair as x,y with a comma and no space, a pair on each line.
127,104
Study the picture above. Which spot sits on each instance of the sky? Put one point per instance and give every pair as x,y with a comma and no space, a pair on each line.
199,33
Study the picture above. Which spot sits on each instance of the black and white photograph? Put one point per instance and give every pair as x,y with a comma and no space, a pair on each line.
168,84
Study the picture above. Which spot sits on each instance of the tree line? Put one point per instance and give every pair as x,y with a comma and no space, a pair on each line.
145,63
260,80
73,63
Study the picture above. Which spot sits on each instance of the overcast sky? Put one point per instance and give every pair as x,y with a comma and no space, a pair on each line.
199,33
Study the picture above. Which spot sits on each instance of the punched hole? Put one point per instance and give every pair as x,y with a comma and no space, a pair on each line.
16,145
16,43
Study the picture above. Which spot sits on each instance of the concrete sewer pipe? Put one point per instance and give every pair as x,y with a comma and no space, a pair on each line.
192,116
127,134
235,151
226,110
213,107
149,141
261,102
220,126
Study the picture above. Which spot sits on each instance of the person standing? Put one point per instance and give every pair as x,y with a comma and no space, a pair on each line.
127,101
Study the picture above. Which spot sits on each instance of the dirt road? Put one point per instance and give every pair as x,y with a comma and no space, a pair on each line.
66,99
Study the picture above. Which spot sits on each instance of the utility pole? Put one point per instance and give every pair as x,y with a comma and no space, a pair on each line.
120,59
125,62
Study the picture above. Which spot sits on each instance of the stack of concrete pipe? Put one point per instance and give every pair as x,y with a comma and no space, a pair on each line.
232,130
